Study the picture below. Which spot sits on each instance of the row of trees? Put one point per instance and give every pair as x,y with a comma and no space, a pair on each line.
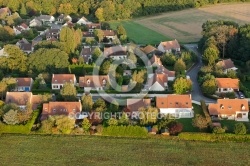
104,10
223,39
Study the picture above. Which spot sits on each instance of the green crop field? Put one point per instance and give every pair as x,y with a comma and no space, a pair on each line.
86,150
138,33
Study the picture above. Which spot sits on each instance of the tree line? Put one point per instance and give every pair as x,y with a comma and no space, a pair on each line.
225,39
104,10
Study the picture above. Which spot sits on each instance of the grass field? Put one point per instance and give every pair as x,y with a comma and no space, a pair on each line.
138,33
185,25
84,150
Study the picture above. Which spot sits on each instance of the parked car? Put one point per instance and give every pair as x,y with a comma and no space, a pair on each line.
241,95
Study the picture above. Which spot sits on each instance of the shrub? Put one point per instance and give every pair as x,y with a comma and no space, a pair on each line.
125,131
240,129
219,130
205,111
175,128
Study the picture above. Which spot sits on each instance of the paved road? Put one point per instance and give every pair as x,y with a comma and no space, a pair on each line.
193,73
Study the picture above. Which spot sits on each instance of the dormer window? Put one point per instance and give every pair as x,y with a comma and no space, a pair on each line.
243,107
54,110
229,107
104,81
221,106
88,81
176,103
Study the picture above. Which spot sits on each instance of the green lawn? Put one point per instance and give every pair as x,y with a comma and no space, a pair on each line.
85,150
139,33
187,122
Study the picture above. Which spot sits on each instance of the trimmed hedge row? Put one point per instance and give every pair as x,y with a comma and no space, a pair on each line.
125,131
22,129
214,137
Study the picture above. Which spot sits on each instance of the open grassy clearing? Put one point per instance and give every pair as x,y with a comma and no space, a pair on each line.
84,150
185,25
140,34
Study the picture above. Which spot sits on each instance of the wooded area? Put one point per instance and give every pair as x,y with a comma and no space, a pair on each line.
104,10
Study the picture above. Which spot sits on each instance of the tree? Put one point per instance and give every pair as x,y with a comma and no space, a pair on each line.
99,14
51,60
67,37
86,125
112,122
47,126
96,53
209,87
68,92
90,41
200,122
121,31
132,58
240,129
66,8
13,5
175,127
148,115
105,67
16,59
182,85
124,120
39,82
99,105
84,8
11,117
114,106
99,34
231,74
180,66
23,10
210,55
24,116
64,124
168,59
87,102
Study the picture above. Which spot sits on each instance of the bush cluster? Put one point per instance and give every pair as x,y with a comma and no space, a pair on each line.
125,131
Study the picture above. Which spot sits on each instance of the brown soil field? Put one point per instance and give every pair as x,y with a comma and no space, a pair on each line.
185,25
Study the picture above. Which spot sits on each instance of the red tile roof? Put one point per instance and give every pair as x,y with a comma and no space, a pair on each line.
60,108
228,106
63,78
109,33
164,70
155,59
135,104
167,45
226,64
93,81
174,101
227,83
148,49
24,81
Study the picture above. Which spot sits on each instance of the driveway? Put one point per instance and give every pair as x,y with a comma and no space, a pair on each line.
193,73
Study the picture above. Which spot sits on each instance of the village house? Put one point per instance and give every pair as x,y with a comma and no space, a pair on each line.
35,23
149,49
70,109
177,106
169,46
233,109
155,61
52,34
109,34
169,73
20,28
93,82
63,18
23,84
22,98
86,53
36,40
116,52
5,11
225,85
157,82
88,34
58,80
133,106
83,21
92,26
227,65
25,46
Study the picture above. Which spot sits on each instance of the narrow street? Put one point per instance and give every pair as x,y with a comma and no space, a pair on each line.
193,74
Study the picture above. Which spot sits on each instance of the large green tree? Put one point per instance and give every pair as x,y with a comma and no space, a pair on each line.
180,66
87,102
182,85
68,92
148,115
